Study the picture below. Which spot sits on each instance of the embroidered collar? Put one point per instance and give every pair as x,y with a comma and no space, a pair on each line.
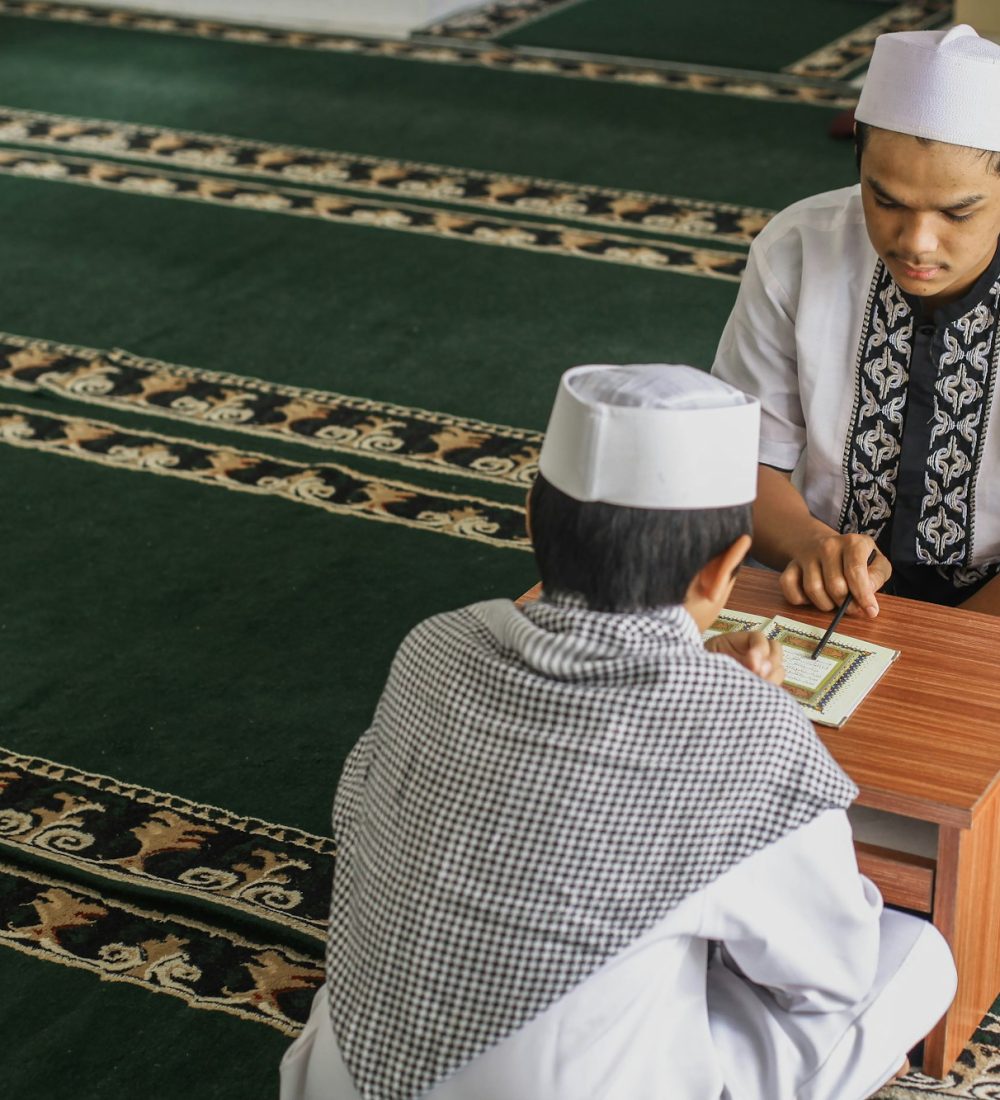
940,530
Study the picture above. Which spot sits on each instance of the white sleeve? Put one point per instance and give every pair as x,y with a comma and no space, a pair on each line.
799,919
757,352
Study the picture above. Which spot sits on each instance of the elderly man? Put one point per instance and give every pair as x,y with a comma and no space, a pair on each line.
581,856
867,326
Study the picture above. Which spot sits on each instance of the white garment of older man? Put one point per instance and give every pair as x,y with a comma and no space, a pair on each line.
812,992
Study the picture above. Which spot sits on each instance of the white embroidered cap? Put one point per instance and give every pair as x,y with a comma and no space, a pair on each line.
943,85
652,435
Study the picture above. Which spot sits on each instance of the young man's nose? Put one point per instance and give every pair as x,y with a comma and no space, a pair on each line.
917,241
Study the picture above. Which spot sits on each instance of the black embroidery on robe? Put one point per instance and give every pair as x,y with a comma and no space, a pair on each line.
962,395
871,457
963,392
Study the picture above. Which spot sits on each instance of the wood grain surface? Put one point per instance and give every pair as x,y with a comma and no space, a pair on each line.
967,913
926,740
903,879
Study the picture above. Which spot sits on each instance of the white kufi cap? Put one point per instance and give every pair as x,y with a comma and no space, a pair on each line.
652,436
943,85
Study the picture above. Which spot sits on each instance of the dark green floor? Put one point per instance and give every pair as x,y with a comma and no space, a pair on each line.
229,648
69,1035
731,33
722,148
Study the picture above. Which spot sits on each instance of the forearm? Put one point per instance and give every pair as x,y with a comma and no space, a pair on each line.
986,600
782,521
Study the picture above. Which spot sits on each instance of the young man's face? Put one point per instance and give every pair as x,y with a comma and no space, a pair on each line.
932,212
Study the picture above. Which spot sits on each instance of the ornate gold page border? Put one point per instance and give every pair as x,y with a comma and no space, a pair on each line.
333,488
778,87
845,55
128,833
553,239
208,968
318,418
494,191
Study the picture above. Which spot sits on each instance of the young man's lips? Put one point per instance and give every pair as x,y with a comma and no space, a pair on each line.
920,272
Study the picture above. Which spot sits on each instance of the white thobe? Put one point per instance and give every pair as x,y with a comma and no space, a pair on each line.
792,340
814,993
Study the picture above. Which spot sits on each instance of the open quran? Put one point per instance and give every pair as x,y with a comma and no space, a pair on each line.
829,688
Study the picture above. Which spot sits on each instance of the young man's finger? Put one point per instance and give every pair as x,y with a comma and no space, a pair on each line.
832,563
791,584
814,585
880,570
856,554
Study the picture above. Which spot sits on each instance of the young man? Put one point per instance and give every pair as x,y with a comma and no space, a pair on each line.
582,857
867,325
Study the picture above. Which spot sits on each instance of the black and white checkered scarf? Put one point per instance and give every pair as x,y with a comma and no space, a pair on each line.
538,788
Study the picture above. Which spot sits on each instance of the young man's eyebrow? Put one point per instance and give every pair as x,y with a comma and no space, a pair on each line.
881,191
962,204
969,200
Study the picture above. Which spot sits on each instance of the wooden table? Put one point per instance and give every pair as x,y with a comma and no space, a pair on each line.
926,744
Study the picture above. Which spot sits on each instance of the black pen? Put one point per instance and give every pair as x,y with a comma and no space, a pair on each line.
836,619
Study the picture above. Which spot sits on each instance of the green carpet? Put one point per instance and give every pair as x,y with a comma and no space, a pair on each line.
763,37
269,396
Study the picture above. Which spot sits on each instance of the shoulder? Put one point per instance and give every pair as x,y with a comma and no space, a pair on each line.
830,212
810,243
819,219
448,628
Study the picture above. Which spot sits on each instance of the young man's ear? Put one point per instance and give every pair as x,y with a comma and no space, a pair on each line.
714,580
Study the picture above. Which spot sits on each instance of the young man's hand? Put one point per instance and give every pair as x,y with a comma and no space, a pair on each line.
753,651
818,565
826,567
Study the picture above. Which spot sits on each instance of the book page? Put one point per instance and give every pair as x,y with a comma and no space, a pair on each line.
830,687
805,675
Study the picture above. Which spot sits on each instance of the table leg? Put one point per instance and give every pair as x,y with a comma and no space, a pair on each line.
967,913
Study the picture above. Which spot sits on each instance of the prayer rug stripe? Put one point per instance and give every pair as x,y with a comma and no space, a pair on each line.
208,968
491,20
329,421
845,55
778,87
219,153
332,488
127,833
974,1076
217,970
552,239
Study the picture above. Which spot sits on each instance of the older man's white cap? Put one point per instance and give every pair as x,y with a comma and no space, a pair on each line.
652,435
943,85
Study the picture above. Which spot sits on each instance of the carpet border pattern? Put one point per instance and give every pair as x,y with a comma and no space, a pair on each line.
491,20
848,53
548,238
146,838
327,486
668,76
208,968
418,438
497,192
